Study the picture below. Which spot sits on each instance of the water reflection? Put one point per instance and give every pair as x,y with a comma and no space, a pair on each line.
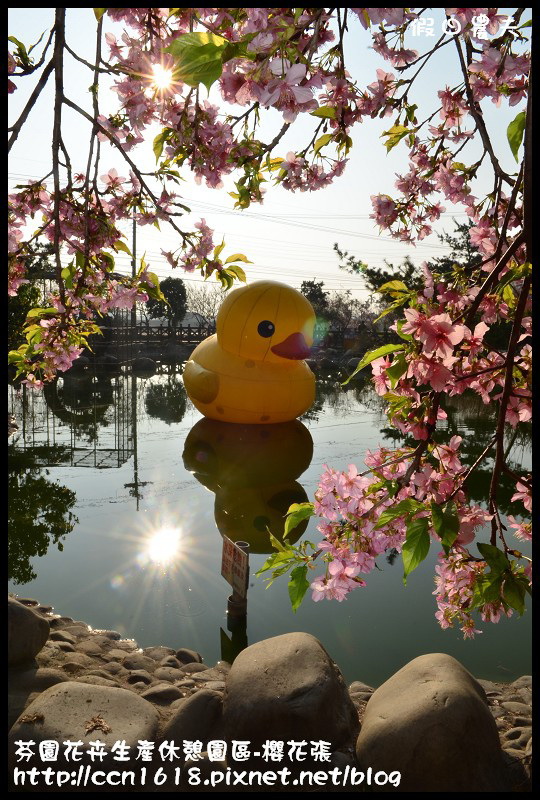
252,469
39,515
166,399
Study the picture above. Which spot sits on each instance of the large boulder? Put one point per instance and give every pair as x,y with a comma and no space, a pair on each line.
285,688
195,718
431,722
27,632
82,712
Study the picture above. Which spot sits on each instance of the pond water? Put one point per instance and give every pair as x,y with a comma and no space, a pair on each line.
119,491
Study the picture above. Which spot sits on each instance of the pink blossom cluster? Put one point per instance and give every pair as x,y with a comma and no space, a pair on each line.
455,581
351,506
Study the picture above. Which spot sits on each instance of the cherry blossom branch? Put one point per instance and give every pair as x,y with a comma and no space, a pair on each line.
479,118
58,57
511,472
507,389
136,171
468,316
471,469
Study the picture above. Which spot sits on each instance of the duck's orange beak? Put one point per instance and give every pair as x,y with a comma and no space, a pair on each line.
294,346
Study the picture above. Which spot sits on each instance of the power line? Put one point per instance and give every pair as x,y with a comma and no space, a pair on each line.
280,219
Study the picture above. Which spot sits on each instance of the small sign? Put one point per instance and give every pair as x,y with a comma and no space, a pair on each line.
235,566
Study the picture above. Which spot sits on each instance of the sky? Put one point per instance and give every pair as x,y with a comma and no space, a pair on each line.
289,237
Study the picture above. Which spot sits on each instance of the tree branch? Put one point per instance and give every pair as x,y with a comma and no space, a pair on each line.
16,129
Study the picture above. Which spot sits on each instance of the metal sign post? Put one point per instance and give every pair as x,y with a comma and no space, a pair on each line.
235,570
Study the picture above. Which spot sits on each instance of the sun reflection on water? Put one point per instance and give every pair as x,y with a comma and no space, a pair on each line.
163,547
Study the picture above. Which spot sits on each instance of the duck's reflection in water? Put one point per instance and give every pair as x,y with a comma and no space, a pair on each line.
253,471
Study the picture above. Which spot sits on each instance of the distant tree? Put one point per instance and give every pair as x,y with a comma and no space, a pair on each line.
313,291
374,277
462,251
344,311
174,309
205,299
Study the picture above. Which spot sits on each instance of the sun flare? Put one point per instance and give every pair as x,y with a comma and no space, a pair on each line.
164,545
162,77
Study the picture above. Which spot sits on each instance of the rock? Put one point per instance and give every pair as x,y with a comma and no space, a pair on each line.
114,668
216,686
430,721
27,601
65,647
517,708
35,680
90,647
162,693
525,682
195,718
97,680
82,712
26,684
358,686
189,669
112,635
489,687
168,674
517,737
208,674
158,653
63,636
27,632
116,654
139,675
186,656
138,661
170,661
59,622
517,775
287,687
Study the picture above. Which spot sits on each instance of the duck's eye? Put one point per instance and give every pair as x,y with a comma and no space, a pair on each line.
266,328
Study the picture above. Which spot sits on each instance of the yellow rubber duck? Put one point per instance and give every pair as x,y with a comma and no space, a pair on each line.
252,370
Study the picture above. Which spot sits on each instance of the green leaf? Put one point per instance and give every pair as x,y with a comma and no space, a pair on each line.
40,312
238,257
21,51
238,271
416,546
218,248
159,142
514,593
371,355
326,112
496,559
322,141
487,589
445,523
274,560
296,514
515,132
120,245
397,304
395,135
407,506
298,586
98,13
198,57
399,366
391,287
399,326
